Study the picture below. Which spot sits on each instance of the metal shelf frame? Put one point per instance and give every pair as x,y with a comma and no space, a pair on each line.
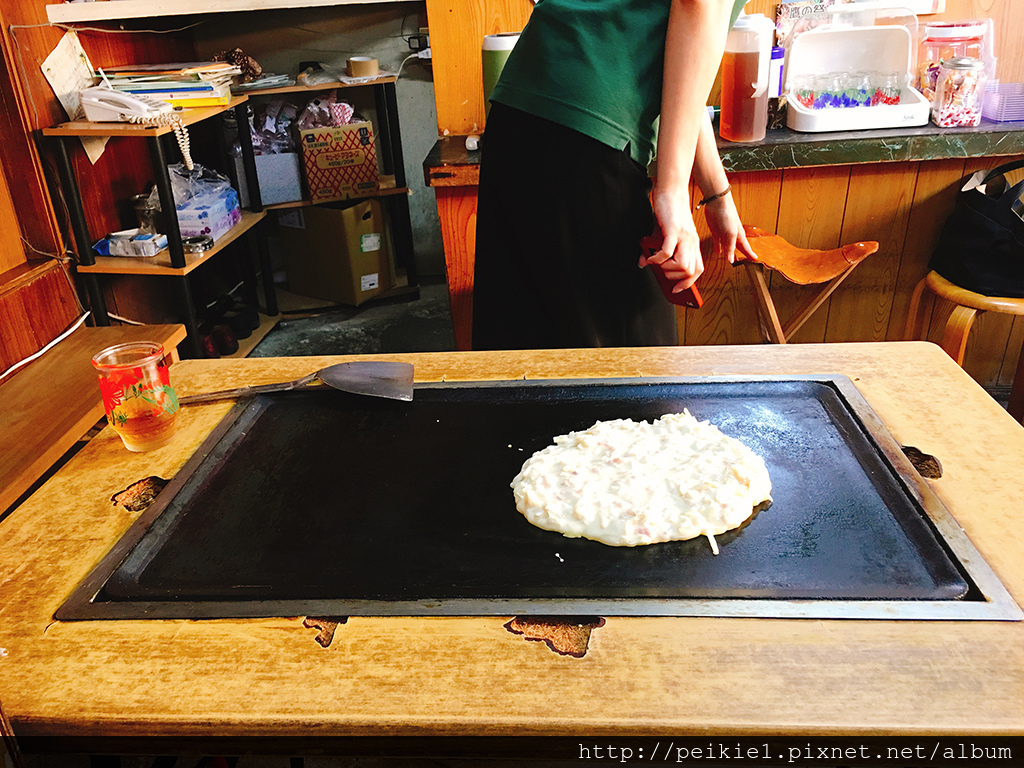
156,138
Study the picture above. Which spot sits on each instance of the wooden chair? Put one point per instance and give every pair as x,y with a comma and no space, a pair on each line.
801,266
954,338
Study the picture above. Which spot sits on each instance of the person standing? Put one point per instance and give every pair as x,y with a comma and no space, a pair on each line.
591,90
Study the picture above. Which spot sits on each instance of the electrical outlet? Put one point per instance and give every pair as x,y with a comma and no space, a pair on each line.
420,42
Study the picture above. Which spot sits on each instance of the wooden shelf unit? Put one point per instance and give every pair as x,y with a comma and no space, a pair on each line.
86,128
387,188
161,263
173,262
330,86
393,189
140,9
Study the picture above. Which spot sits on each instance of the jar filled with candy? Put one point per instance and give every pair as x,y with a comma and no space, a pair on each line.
947,40
959,93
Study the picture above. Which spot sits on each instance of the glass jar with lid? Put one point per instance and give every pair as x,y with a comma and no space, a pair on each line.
947,40
959,92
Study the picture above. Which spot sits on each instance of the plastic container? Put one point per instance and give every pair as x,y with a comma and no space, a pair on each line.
496,49
959,92
778,58
811,79
947,40
745,69
1004,102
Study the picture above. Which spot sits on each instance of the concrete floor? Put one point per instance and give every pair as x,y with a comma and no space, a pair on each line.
393,325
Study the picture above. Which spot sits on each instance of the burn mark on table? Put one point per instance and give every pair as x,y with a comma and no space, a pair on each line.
926,464
140,494
326,626
565,635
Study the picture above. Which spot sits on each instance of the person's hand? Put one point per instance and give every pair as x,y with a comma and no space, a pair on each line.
680,256
727,233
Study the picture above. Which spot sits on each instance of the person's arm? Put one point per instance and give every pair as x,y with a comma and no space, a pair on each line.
720,213
694,44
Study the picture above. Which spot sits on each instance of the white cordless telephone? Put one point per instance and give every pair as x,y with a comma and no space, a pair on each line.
107,105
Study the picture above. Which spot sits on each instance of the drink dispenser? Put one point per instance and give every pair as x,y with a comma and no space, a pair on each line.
745,79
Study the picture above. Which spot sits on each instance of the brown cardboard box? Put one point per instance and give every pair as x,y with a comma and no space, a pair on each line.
338,252
339,163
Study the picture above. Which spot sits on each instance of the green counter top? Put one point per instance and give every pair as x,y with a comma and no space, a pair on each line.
784,148
449,163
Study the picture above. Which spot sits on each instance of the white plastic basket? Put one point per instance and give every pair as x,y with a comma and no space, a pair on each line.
850,49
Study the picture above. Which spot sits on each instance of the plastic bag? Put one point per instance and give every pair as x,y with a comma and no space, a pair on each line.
318,75
982,243
325,112
197,187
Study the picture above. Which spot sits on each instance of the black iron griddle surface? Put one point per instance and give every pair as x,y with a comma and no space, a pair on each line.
323,495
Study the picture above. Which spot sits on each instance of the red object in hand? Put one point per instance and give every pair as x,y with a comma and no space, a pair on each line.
691,297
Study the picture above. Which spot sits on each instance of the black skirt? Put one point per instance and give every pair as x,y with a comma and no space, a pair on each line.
559,221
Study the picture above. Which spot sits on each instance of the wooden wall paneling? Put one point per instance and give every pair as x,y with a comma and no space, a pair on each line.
811,209
877,208
934,198
12,250
729,314
144,299
456,207
20,157
36,305
457,30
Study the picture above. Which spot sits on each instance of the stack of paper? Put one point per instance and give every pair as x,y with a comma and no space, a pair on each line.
190,84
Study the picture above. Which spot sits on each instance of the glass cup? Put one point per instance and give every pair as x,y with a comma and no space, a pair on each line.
140,402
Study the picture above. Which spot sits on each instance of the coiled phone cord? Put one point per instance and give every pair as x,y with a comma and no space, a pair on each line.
180,131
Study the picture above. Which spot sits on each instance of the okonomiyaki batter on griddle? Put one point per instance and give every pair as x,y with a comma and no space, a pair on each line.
627,483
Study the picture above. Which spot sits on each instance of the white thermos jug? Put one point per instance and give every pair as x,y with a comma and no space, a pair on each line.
745,67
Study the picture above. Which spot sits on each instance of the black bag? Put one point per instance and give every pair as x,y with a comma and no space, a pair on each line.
982,243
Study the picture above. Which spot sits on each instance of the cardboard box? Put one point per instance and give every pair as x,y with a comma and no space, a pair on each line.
279,177
339,163
337,252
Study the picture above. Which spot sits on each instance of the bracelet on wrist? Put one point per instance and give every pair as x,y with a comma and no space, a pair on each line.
710,198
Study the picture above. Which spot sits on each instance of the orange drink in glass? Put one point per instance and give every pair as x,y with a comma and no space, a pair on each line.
140,402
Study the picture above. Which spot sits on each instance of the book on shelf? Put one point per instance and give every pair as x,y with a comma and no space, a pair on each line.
195,101
194,70
181,95
195,84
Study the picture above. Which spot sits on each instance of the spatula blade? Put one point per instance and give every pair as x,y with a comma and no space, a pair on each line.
376,378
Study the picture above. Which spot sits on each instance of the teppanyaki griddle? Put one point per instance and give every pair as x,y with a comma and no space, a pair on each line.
322,503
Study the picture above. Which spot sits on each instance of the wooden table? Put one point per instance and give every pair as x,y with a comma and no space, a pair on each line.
233,686
53,401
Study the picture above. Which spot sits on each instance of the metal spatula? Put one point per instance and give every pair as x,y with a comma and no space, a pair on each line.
363,377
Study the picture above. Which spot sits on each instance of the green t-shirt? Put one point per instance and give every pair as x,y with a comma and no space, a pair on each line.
594,66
